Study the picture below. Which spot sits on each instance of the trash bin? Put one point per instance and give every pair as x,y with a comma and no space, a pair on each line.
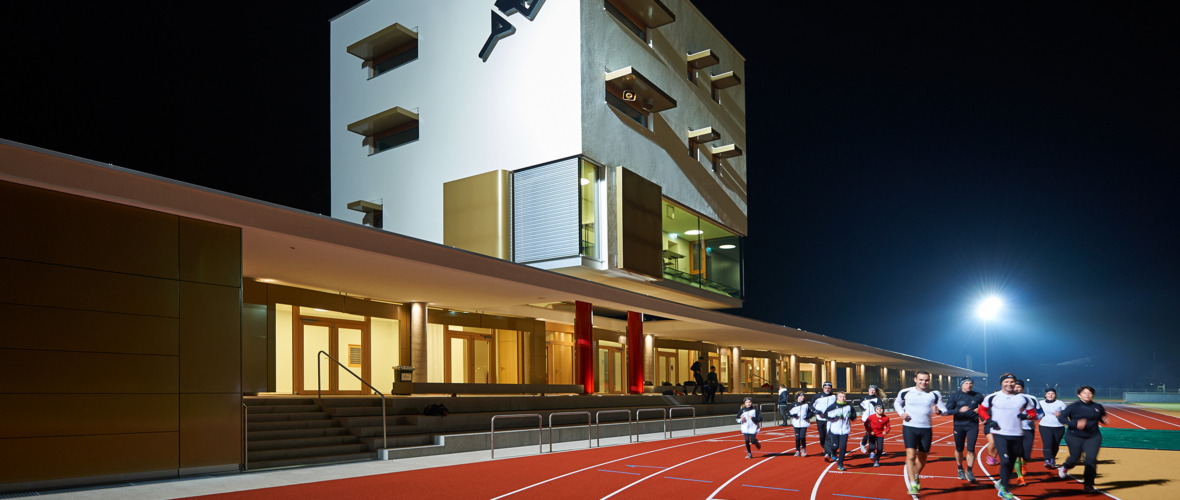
403,374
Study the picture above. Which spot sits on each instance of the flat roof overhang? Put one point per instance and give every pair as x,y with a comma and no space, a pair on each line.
707,134
703,59
316,252
653,13
726,80
385,120
653,98
726,151
382,41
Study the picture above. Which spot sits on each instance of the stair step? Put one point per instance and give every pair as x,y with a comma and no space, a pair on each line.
350,402
356,411
265,409
325,459
313,451
268,401
283,417
402,441
375,430
283,425
254,436
371,421
308,442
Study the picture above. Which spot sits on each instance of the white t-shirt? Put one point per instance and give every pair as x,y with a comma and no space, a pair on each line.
919,405
1003,410
1049,420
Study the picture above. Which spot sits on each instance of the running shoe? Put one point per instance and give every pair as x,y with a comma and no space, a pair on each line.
749,455
914,488
991,460
803,453
796,453
862,448
873,456
758,445
970,476
1003,493
1020,481
876,463
1049,464
962,475
840,468
1061,472
1090,489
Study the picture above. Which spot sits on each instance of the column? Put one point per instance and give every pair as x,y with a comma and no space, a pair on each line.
649,358
794,372
635,352
418,318
584,343
735,371
885,379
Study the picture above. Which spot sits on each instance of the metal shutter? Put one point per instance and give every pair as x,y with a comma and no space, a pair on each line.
545,211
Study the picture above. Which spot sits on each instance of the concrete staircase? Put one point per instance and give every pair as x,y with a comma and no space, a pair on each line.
283,432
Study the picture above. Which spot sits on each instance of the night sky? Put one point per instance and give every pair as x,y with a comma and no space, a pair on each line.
903,161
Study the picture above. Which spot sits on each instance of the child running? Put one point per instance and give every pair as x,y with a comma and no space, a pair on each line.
800,416
878,425
867,404
1051,428
840,416
749,417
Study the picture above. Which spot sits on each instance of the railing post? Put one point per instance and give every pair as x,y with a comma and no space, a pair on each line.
663,411
245,438
589,434
540,431
598,424
694,418
319,390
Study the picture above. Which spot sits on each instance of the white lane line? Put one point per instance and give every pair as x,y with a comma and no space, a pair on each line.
747,469
924,476
905,473
1128,410
815,489
983,453
1127,421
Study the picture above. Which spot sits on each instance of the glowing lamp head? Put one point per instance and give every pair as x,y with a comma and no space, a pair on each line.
989,308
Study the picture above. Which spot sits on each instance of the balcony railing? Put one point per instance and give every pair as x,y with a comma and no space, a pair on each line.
700,282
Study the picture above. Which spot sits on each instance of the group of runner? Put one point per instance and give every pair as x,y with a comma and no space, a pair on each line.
1008,417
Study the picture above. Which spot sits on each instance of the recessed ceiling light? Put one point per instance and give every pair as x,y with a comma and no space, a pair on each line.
266,280
585,181
727,247
693,232
671,236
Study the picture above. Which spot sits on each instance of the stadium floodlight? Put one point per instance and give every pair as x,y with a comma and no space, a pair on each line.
989,308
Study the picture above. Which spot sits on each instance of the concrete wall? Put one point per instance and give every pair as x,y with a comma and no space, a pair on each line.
121,350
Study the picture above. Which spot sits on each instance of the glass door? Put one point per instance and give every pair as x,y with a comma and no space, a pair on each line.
610,370
346,341
468,358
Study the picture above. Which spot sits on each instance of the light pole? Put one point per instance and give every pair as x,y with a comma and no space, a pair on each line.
986,311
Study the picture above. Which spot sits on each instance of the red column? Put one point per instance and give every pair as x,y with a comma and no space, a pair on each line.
635,352
584,343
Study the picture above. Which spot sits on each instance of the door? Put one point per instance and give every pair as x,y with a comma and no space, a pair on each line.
468,358
346,341
667,368
610,370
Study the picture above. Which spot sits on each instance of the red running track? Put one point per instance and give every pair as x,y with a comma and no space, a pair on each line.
699,467
1134,417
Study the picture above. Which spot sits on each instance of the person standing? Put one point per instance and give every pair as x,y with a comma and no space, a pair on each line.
697,378
1082,418
840,416
878,424
749,417
867,404
916,406
800,413
1005,410
964,405
1051,428
1026,426
711,385
820,402
784,397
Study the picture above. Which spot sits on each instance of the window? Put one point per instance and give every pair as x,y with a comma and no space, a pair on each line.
628,20
699,253
393,59
387,49
394,138
387,130
627,109
588,206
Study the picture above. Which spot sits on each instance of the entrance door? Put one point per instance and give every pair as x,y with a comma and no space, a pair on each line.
346,341
610,368
667,368
468,358
748,375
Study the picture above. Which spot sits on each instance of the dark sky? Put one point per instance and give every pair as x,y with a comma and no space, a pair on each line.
904,161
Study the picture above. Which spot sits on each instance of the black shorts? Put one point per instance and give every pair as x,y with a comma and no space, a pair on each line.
965,435
917,438
987,427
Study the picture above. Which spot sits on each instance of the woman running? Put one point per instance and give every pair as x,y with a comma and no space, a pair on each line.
879,425
1051,429
1029,438
840,416
867,404
1082,418
749,416
800,415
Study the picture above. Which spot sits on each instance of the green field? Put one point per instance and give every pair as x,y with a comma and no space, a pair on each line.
1160,406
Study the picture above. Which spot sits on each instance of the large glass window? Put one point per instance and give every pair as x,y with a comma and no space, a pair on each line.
626,19
394,139
560,357
395,59
627,109
588,207
700,253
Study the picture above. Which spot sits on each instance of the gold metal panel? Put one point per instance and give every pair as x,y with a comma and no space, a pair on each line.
650,97
57,228
726,151
210,429
382,41
254,292
58,372
477,214
87,414
50,328
453,318
703,59
641,249
279,294
372,308
37,284
210,253
46,458
254,321
254,364
653,13
726,80
210,338
385,120
707,134
506,322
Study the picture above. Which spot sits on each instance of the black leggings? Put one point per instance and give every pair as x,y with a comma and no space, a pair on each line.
800,439
1051,441
1010,448
1090,446
877,445
838,444
1030,437
752,438
821,426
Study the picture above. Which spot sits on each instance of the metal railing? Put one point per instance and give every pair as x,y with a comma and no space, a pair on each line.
589,431
694,418
540,430
598,424
320,392
663,414
245,442
773,411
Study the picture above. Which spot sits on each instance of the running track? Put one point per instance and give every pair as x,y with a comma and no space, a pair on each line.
707,467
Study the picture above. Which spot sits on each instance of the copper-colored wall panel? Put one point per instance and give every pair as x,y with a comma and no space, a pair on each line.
87,414
37,284
57,372
254,364
45,458
28,327
210,429
477,213
506,322
254,292
372,308
454,318
58,228
254,320
279,294
210,253
642,250
210,338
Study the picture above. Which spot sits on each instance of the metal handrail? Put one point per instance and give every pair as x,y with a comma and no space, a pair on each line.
663,412
694,417
589,436
245,438
774,411
320,392
598,425
540,430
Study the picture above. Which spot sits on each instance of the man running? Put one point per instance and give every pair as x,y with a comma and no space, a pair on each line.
916,406
697,377
963,405
819,404
1006,410
1029,435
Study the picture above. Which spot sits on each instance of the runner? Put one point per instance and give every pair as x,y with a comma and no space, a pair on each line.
879,426
1082,418
867,404
840,416
749,416
783,400
916,406
1005,410
820,402
963,404
1029,439
1051,429
800,413
697,378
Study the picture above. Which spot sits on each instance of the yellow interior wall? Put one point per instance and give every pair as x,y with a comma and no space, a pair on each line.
384,336
283,371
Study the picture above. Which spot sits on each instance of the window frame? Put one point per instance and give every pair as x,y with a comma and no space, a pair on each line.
628,19
377,60
373,139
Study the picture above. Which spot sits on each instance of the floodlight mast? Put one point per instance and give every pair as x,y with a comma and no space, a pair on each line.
986,311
